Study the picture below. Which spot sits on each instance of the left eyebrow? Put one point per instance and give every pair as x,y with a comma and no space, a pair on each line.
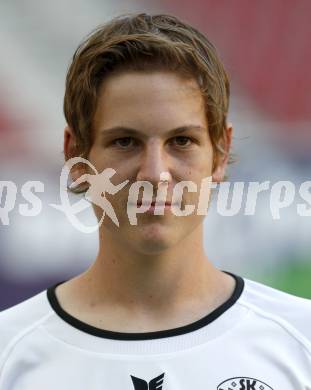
131,131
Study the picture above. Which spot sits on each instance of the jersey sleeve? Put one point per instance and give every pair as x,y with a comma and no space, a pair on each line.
292,311
17,321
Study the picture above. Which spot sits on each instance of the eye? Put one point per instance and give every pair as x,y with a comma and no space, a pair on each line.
127,142
182,141
123,142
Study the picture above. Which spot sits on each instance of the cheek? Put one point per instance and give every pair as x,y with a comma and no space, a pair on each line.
97,158
196,169
101,161
196,174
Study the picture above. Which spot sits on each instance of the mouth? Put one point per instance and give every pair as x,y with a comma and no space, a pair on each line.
153,204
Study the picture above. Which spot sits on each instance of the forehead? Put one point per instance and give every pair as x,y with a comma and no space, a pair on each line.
141,100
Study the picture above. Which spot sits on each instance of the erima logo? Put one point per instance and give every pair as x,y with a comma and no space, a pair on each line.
244,383
154,384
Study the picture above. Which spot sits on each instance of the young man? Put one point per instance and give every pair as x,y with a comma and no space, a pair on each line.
147,95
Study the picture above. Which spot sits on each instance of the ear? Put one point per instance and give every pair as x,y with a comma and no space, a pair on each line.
220,169
70,151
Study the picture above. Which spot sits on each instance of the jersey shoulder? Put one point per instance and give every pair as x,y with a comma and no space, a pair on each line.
19,320
290,311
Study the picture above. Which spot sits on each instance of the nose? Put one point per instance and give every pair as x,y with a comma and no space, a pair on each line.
153,163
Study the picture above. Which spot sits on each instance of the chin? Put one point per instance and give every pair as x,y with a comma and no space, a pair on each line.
153,239
153,248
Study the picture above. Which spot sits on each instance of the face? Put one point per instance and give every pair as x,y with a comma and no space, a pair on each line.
158,106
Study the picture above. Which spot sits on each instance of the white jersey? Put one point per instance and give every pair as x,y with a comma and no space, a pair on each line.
260,339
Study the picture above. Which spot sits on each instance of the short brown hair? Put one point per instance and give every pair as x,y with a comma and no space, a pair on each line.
144,42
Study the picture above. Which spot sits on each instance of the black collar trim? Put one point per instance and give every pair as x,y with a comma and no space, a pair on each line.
92,330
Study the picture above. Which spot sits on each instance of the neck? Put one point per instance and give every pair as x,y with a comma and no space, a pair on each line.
128,278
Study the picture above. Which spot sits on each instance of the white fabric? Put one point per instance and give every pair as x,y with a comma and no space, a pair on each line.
261,342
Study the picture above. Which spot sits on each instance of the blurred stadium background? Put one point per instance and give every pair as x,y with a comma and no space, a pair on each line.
266,49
